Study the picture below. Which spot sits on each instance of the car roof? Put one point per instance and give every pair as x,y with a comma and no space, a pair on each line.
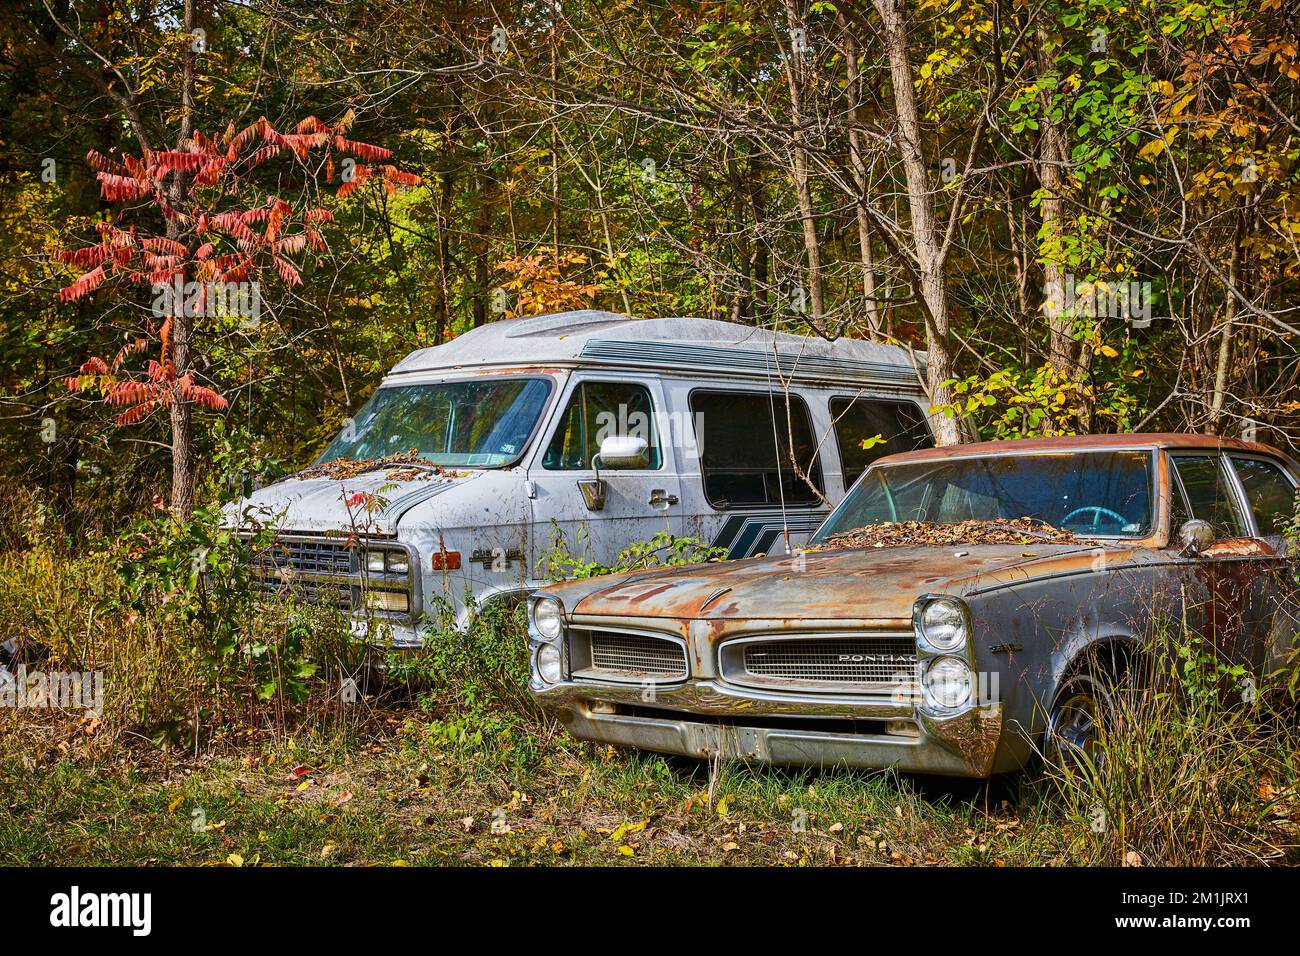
1149,440
594,338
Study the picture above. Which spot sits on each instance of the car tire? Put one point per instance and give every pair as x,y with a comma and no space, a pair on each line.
1083,704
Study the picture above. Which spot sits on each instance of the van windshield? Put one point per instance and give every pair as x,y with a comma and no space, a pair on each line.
477,423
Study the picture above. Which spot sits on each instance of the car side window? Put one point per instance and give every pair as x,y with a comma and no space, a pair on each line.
597,410
1269,492
1210,494
745,449
901,425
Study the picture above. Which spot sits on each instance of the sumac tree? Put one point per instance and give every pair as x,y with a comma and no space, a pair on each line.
193,222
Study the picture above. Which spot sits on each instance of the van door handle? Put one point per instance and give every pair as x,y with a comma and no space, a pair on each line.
659,497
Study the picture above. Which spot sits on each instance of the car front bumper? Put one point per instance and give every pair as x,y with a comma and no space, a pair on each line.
706,718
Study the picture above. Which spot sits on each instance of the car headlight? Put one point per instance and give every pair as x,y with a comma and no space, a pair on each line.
549,665
947,683
943,623
548,618
398,562
375,561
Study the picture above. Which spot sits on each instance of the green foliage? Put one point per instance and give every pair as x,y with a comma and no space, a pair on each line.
1043,402
196,575
664,550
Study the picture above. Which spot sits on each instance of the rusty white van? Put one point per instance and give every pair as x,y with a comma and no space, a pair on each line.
455,479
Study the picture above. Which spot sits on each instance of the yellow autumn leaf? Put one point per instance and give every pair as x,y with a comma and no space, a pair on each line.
724,807
235,860
626,850
175,804
624,829
1152,149
1107,351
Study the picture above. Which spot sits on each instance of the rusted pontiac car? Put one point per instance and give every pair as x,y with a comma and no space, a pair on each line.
893,642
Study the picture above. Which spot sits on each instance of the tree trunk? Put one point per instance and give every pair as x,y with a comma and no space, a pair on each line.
1223,362
1062,350
803,190
927,246
875,322
181,412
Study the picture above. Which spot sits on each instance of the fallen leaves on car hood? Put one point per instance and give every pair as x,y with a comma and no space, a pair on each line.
898,534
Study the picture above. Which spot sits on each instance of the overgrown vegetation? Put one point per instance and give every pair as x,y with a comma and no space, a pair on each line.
1198,767
228,734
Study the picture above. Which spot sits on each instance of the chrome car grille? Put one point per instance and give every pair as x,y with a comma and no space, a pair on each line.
831,663
623,656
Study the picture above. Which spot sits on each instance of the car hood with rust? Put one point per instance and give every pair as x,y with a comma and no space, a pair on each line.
860,584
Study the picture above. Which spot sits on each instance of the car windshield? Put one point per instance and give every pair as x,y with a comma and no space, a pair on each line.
476,423
1105,494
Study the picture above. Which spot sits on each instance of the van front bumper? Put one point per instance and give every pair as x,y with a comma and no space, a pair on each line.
705,719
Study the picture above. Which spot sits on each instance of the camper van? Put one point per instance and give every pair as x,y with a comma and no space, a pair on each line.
473,459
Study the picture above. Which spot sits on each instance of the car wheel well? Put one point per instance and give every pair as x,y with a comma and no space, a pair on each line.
1116,658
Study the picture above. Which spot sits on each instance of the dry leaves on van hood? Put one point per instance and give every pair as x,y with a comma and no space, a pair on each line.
897,534
407,466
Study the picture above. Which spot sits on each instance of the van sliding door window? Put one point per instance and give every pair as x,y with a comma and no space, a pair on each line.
596,411
886,427
745,453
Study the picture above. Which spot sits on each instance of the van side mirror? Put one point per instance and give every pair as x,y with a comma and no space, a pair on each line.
1194,537
616,451
622,451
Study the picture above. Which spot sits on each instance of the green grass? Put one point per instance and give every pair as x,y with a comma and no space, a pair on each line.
400,792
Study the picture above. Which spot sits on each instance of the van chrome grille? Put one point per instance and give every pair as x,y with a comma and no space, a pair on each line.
315,570
301,556
634,656
836,661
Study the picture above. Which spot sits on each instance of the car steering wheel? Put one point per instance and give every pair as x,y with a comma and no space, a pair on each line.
1097,510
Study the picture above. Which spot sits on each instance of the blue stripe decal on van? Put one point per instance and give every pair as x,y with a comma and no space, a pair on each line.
743,535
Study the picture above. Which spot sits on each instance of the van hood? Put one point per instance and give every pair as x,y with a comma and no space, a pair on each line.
321,504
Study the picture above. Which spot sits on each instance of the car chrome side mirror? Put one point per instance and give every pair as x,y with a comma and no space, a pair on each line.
1194,537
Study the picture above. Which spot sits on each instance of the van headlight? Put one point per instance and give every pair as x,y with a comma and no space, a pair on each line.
941,623
389,560
947,683
548,618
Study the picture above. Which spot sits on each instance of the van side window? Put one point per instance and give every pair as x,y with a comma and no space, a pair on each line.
740,460
596,411
900,424
1269,492
1209,494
